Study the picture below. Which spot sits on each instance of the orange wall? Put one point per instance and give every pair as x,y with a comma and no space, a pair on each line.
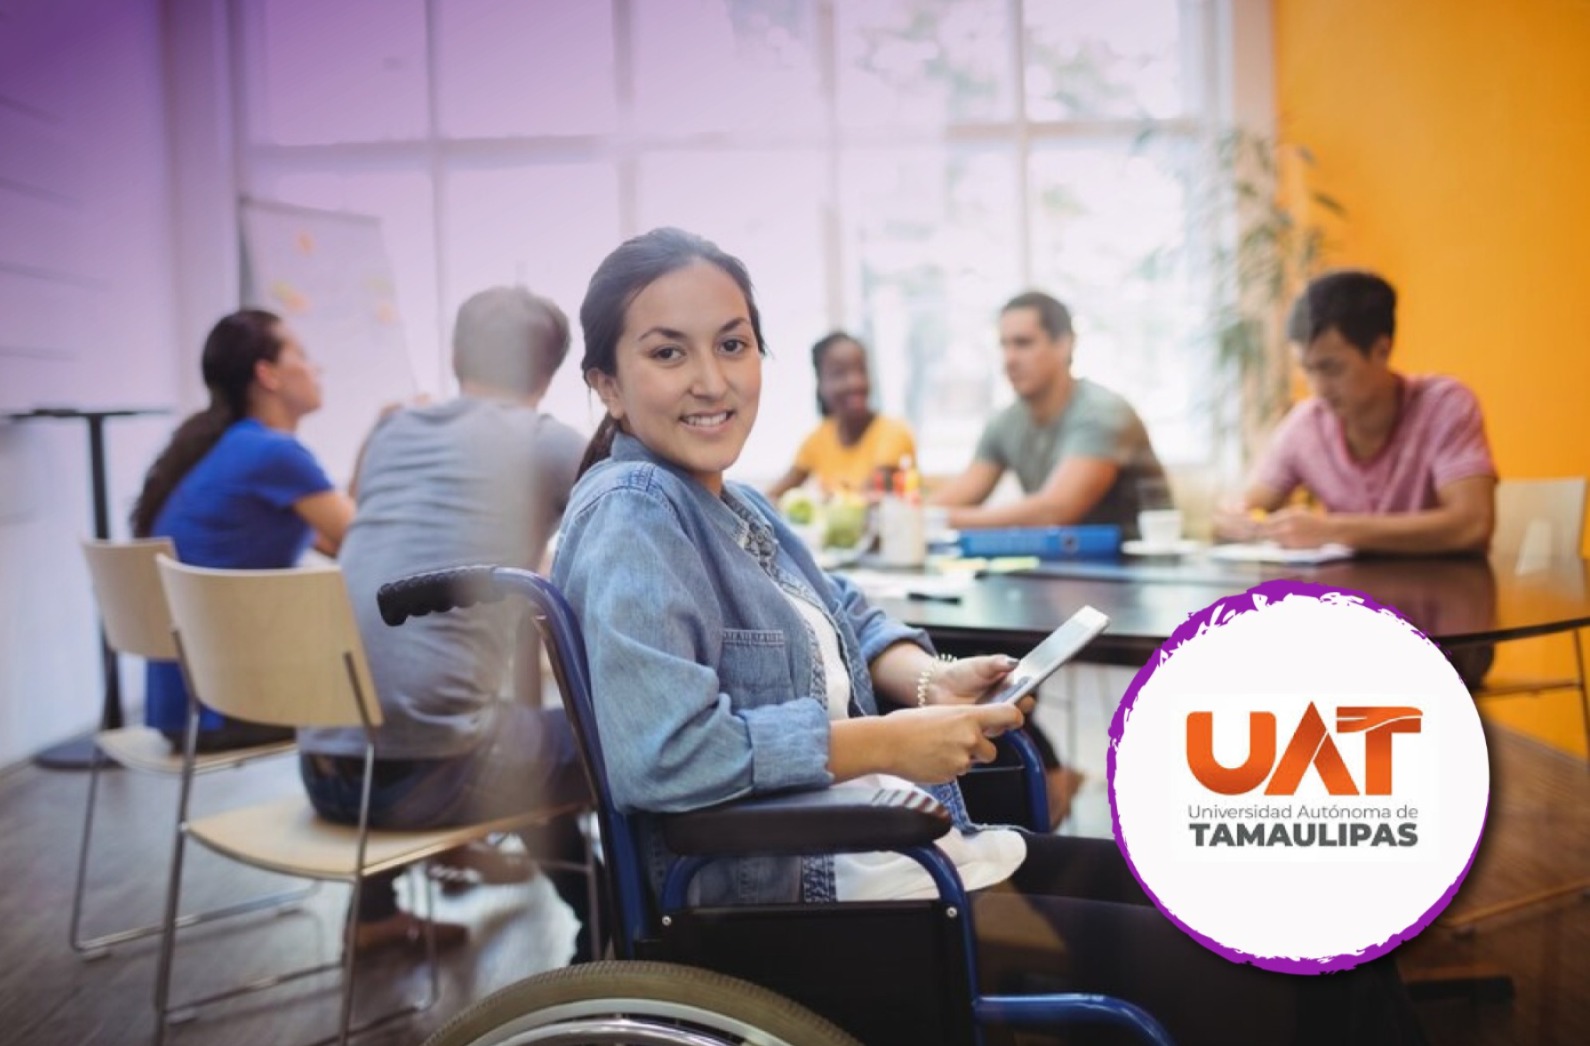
1457,135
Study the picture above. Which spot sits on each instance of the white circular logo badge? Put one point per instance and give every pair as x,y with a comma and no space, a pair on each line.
1298,778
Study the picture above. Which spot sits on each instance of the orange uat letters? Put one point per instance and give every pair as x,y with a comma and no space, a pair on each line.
1378,724
1311,745
1227,781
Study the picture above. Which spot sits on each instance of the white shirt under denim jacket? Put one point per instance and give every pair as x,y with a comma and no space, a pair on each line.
708,683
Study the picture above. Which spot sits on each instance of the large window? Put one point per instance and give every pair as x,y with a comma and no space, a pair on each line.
898,168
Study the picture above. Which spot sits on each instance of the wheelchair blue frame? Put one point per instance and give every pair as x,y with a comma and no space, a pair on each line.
560,630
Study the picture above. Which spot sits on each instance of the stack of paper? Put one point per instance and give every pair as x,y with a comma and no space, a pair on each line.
910,584
1270,552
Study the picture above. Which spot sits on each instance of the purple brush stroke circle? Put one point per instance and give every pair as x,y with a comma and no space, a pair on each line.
1269,592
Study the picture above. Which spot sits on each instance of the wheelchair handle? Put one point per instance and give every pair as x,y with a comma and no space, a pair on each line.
436,592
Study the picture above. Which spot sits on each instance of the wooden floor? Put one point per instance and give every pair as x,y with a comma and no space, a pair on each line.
48,995
1538,835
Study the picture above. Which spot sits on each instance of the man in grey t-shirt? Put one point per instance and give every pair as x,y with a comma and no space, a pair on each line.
481,478
1080,451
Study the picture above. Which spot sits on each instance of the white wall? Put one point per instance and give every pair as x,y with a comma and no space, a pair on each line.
118,248
88,318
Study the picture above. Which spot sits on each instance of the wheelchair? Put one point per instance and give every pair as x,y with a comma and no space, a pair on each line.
874,973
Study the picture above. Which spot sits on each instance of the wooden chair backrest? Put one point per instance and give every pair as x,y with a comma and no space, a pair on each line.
272,646
132,604
1538,520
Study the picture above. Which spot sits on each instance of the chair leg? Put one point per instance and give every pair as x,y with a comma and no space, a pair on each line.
350,945
168,937
285,901
168,943
345,964
347,1029
98,947
1584,688
419,875
87,949
1464,923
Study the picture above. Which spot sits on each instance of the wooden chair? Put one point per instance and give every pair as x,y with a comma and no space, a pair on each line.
282,647
1537,521
133,608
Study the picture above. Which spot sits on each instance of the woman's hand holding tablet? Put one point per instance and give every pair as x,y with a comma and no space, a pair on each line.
1043,660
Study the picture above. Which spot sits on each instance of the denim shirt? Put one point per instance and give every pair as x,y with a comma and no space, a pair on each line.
708,684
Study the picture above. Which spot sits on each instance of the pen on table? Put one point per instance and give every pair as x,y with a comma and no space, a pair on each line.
934,597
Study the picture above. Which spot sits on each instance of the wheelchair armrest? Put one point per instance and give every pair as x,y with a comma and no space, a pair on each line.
831,820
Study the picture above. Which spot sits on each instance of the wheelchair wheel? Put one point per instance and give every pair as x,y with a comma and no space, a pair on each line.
636,1003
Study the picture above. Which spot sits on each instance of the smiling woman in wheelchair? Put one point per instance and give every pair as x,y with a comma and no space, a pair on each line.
724,664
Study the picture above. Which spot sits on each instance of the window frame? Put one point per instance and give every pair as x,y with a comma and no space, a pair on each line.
1235,79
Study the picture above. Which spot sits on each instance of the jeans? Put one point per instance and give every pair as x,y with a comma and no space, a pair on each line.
230,734
531,761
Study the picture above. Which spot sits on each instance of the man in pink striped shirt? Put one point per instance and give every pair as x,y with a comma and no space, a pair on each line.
1396,463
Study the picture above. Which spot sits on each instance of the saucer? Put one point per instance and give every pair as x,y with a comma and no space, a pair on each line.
1174,548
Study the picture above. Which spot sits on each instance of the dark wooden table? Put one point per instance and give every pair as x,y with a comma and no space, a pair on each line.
1456,601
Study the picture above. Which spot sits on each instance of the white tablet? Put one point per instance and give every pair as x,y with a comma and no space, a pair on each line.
1041,661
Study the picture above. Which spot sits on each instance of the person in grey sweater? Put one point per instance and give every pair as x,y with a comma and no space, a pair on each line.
480,478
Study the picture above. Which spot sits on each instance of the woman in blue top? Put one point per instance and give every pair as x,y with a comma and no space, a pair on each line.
234,489
725,663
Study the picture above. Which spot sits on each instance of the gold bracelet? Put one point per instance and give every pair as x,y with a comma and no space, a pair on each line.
925,678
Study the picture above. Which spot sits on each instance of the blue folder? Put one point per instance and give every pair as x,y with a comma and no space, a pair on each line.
1083,542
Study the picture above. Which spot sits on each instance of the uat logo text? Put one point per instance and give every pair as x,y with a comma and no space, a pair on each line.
1311,745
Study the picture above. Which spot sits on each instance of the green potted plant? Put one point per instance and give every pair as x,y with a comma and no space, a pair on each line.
1272,234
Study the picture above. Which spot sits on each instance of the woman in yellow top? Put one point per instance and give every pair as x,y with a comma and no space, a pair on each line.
852,441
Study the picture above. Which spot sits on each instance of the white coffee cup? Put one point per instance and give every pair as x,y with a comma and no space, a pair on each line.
902,537
1159,527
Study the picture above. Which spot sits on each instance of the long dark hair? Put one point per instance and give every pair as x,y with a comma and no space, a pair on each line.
630,269
233,347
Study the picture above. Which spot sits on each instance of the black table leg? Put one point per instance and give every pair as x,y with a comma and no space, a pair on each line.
79,753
